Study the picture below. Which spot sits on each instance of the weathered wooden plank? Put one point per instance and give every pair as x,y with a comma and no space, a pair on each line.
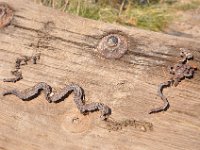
129,85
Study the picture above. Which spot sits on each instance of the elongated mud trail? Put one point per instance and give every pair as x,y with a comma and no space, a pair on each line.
33,92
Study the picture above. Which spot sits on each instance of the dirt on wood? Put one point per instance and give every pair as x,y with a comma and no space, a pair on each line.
68,48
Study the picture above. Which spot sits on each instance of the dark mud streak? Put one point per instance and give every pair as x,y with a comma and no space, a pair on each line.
22,17
29,29
51,37
164,54
88,36
73,42
64,30
129,59
146,55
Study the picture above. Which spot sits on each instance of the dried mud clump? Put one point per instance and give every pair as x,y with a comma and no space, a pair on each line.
6,14
113,125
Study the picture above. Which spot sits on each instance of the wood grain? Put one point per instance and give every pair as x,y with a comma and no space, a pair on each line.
129,85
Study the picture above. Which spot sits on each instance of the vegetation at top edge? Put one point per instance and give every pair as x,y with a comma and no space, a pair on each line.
147,14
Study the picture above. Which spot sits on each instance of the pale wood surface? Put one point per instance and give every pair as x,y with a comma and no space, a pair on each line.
129,85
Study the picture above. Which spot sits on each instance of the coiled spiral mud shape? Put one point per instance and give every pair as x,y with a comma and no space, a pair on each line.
113,45
6,14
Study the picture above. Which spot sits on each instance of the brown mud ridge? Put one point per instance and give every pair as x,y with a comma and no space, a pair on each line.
114,125
77,123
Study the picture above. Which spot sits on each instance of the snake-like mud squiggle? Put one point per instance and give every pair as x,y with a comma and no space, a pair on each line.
180,71
33,92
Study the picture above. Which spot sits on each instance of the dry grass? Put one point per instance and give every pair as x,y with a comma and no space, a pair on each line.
155,15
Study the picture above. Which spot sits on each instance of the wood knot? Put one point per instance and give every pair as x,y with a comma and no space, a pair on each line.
113,46
6,14
77,123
